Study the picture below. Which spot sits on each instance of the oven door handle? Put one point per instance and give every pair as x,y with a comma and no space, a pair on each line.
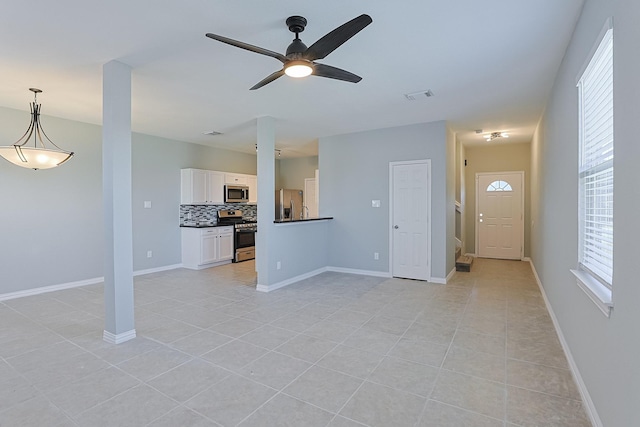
245,231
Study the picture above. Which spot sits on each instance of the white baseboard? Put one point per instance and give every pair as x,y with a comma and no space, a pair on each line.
77,284
360,272
443,280
118,338
157,269
584,393
52,288
273,287
470,254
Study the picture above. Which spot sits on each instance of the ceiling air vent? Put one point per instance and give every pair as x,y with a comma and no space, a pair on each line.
418,95
212,133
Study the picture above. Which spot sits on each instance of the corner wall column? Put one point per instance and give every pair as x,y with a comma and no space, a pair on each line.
116,191
266,143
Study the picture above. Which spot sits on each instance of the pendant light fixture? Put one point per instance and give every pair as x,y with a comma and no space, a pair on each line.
38,156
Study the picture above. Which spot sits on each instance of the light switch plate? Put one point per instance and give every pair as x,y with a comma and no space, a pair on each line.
375,203
147,204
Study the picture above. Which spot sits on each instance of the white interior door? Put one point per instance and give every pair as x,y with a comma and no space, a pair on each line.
499,215
410,220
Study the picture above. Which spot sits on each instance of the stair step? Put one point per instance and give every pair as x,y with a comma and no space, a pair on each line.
463,263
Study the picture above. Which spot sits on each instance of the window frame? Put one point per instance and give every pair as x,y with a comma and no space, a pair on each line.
596,283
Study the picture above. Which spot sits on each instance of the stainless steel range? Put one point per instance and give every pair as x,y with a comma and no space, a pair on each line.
244,240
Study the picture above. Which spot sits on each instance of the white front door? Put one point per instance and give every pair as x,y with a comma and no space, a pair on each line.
499,215
410,219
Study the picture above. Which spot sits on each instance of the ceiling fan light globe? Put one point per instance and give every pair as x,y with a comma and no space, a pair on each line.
298,69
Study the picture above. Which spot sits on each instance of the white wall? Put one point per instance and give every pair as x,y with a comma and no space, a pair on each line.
51,228
606,351
354,169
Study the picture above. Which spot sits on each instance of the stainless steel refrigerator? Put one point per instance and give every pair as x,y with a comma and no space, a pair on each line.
288,204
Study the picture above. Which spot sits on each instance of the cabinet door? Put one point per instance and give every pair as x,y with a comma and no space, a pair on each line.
225,246
252,182
235,178
193,189
209,247
215,187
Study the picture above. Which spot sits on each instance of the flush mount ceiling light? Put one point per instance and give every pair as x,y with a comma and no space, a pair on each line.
38,156
494,135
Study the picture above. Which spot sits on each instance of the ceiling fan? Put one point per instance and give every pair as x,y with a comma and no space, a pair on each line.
299,60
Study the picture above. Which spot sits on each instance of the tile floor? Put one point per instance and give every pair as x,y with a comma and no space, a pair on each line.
334,350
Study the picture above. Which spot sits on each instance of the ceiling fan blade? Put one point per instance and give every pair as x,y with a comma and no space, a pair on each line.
334,39
271,77
248,47
322,70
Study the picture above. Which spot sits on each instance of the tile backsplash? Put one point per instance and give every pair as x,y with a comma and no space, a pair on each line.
209,213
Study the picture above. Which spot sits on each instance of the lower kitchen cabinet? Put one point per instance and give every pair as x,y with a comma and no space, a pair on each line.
225,243
206,247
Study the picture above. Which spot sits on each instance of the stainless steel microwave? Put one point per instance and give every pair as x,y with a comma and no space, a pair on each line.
236,194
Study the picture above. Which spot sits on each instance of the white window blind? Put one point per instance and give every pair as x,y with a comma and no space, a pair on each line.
595,90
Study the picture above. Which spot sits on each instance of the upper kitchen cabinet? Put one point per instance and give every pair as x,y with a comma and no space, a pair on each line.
201,187
235,179
252,183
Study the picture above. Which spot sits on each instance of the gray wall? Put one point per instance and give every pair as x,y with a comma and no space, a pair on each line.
51,224
300,248
496,158
606,350
354,169
292,172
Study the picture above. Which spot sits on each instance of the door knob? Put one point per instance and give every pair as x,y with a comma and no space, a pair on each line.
395,226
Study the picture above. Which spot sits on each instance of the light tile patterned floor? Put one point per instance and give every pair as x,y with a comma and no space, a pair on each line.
333,350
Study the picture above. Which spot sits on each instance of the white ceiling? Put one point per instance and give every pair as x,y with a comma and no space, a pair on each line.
490,64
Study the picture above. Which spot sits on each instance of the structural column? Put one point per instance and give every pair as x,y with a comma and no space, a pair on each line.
116,190
266,143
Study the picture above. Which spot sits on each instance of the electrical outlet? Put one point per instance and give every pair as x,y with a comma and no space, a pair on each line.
149,254
278,265
375,203
147,204
376,255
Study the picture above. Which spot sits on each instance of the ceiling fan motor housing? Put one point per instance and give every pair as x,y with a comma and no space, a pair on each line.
296,24
296,49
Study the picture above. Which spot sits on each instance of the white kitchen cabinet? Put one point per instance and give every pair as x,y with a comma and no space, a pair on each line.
206,247
252,182
235,179
201,187
225,243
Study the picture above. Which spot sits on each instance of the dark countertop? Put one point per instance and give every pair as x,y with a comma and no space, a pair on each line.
203,225
289,221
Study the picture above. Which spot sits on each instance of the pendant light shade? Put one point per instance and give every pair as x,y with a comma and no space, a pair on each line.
36,155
